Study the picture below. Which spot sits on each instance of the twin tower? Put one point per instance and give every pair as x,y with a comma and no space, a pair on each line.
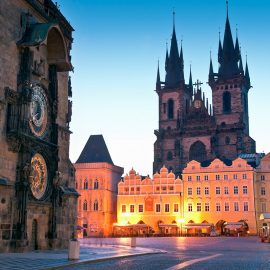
189,128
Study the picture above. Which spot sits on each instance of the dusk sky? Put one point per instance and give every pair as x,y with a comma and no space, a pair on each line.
117,44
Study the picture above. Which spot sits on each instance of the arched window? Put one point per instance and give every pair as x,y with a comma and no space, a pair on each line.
169,155
95,205
227,102
170,109
96,184
85,184
85,205
197,151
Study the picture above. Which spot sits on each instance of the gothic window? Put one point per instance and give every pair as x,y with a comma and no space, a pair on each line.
96,205
170,109
85,205
197,152
226,102
169,155
96,184
85,184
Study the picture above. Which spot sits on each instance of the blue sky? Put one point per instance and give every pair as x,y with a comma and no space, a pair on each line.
117,44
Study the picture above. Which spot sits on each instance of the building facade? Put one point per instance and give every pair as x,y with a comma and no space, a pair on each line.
191,129
96,182
37,195
149,206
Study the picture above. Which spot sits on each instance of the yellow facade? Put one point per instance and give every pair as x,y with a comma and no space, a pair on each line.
153,202
219,194
262,188
97,186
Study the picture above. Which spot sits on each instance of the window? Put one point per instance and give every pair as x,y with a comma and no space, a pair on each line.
158,207
138,189
262,177
164,188
235,190
198,191
169,156
244,176
131,208
225,177
157,188
199,207
226,102
96,184
85,184
140,208
206,178
96,205
124,208
236,206
167,207
171,188
226,190
263,207
226,207
85,205
218,207
189,178
263,191
76,185
235,176
176,207
126,189
245,190
170,109
217,177
217,190
132,189
189,191
198,178
206,190
206,207
245,206
190,207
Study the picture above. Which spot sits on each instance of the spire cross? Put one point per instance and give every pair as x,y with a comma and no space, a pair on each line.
173,17
197,84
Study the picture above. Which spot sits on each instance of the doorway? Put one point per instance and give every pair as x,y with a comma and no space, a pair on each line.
34,234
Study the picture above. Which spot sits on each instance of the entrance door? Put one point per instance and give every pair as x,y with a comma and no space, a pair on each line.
34,235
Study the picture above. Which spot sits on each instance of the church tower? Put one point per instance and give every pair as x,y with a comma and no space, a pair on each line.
230,87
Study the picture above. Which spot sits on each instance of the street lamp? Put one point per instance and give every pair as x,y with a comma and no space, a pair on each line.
181,221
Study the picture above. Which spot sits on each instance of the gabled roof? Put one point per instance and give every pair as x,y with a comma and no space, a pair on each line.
95,151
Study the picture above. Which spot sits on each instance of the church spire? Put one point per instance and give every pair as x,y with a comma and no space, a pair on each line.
241,69
190,84
167,58
158,85
247,78
211,72
237,47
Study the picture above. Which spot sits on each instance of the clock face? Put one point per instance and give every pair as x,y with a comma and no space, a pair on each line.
197,104
38,111
39,176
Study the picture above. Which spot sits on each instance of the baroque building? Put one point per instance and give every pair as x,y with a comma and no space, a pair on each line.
96,181
189,127
37,193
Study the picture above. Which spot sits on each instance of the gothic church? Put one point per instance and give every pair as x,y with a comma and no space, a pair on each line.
189,128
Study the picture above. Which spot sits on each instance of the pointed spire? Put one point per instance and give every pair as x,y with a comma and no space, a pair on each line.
241,69
158,85
207,104
167,58
211,72
237,47
247,78
220,52
190,84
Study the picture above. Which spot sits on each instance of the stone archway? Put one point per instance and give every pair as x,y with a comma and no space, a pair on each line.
197,152
220,226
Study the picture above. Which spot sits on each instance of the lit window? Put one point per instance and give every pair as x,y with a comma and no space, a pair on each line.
190,207
85,205
245,190
263,191
131,208
158,208
85,184
236,206
225,177
235,190
206,178
217,177
245,206
235,176
189,191
176,207
124,208
217,190
132,189
189,178
244,176
226,190
171,188
140,208
163,188
126,189
218,207
198,191
167,207
199,207
206,190
226,206
198,178
262,177
206,207
96,205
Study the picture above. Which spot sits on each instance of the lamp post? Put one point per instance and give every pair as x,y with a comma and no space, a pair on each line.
181,221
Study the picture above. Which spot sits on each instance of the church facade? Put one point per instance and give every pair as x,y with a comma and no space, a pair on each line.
189,127
37,194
